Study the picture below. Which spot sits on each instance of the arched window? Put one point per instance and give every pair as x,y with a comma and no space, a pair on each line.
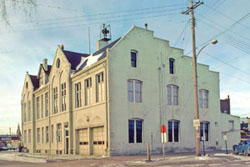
203,98
171,66
172,94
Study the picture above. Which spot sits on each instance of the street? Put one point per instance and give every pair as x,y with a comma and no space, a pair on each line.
218,159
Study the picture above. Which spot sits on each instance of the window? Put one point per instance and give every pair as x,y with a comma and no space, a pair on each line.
29,111
29,136
55,100
203,98
63,96
59,132
52,133
37,108
173,130
133,58
87,93
38,135
204,131
27,85
58,63
172,94
135,91
231,125
171,66
41,106
46,104
78,101
47,134
42,134
25,136
135,131
24,112
99,87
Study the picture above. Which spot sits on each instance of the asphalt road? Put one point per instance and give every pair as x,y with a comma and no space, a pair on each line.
139,161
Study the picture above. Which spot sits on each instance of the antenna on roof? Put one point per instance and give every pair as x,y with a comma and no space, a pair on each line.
105,34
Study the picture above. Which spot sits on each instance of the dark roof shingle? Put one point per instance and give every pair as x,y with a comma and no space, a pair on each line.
35,81
74,58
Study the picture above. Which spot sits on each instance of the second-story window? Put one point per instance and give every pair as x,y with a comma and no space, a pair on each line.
37,108
171,66
87,93
99,87
133,55
46,104
78,101
55,100
63,96
203,98
47,134
172,94
135,91
41,106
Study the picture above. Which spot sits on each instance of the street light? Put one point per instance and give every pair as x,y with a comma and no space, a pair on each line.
196,104
211,42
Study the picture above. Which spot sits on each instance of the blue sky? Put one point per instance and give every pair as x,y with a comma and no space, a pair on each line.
29,40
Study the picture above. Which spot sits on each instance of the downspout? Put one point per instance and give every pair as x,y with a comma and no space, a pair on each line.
107,122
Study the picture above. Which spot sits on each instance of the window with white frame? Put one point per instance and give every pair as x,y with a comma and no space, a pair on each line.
55,100
172,94
46,104
203,98
87,91
135,130
63,96
173,130
78,100
135,91
99,87
37,108
204,131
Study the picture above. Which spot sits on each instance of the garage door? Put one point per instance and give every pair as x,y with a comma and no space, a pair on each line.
83,142
98,141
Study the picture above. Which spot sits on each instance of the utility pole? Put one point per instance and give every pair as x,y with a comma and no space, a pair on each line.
196,106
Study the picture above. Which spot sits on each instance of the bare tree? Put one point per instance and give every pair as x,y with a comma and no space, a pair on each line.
26,7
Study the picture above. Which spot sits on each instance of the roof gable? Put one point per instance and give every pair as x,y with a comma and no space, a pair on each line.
74,58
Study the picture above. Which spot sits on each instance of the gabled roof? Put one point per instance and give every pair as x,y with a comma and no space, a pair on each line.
49,69
35,81
74,58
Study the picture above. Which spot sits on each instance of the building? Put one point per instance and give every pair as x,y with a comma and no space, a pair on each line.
245,129
114,101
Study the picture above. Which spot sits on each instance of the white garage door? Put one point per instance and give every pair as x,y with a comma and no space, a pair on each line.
83,142
98,141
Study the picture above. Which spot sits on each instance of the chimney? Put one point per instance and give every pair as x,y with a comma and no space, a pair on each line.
101,44
146,26
45,64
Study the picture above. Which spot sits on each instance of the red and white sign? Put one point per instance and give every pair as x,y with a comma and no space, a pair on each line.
163,134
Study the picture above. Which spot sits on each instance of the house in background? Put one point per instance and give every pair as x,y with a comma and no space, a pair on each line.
114,101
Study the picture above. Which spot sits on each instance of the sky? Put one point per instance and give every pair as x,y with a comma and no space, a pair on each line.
33,34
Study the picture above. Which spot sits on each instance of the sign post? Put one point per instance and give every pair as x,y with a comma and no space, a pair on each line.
163,138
